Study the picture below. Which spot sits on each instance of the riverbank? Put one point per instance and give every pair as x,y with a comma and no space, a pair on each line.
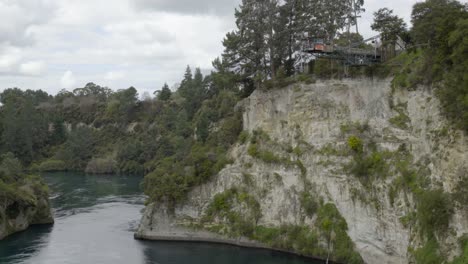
157,225
22,204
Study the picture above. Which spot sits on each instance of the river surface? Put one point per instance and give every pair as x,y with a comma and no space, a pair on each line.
95,218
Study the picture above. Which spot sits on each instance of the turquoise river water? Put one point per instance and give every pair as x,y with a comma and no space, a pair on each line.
95,218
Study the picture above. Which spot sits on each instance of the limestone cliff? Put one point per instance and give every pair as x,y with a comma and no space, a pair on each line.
24,205
355,146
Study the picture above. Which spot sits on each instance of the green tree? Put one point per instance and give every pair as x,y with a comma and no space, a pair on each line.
389,26
454,96
10,168
24,129
193,89
79,148
123,104
165,93
433,20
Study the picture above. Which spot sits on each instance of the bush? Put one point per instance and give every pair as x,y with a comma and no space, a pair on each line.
463,258
429,253
101,166
10,166
243,137
434,211
131,167
240,223
329,222
368,167
308,203
401,120
266,156
327,68
355,144
52,165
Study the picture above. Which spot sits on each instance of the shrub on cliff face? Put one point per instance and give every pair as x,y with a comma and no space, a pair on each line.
463,258
308,203
434,211
333,228
355,144
429,253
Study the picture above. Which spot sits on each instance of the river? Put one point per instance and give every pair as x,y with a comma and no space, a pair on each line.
95,218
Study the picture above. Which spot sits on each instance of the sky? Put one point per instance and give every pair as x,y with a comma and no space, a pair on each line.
64,44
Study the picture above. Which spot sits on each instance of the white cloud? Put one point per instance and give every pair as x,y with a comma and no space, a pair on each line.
9,59
68,81
114,75
219,7
33,68
19,17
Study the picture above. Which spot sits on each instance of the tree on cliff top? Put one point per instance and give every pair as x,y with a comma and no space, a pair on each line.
389,26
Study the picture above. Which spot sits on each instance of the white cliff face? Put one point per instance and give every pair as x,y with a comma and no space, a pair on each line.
314,115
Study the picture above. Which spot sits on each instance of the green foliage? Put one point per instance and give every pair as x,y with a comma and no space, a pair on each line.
218,127
454,94
327,68
52,165
388,25
101,166
429,253
302,168
17,187
308,203
166,183
298,151
330,225
434,212
461,191
267,156
438,56
10,167
333,228
408,73
305,78
330,150
240,223
243,137
78,149
165,93
301,239
354,127
463,258
23,129
367,166
401,120
122,105
355,144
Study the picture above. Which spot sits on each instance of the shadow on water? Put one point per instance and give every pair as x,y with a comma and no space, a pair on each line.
23,244
203,253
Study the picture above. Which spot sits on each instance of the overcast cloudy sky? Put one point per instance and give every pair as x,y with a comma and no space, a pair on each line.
55,44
